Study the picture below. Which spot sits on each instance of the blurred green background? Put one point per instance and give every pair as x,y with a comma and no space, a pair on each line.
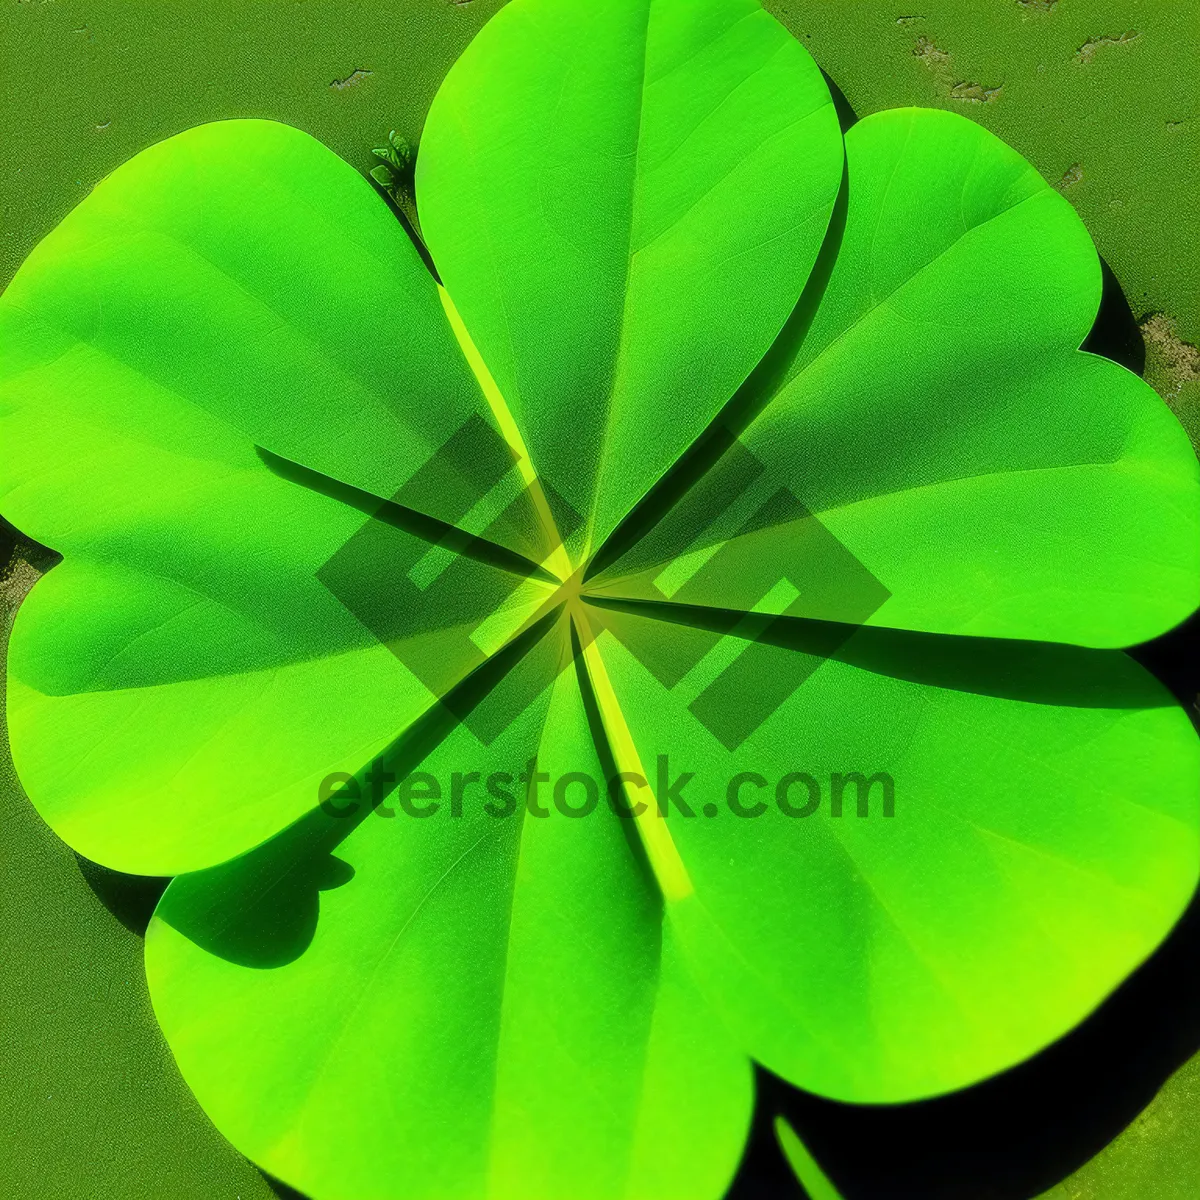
1102,96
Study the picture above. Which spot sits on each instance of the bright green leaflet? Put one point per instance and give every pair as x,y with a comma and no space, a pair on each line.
816,1184
933,404
259,680
1028,867
488,1008
600,186
474,1006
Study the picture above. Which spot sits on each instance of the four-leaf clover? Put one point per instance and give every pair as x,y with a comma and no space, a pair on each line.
818,412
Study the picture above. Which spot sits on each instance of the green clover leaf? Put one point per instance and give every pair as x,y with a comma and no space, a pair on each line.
791,470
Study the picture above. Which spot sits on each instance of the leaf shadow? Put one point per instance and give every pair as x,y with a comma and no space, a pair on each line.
845,112
130,898
1039,672
10,538
15,545
261,910
1173,659
1116,333
1018,1134
283,1190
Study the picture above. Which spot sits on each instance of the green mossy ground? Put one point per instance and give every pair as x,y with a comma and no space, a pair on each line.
1156,1158
1102,96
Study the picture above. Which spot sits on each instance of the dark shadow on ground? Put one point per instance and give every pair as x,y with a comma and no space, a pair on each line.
10,538
1174,659
845,114
281,1189
14,545
130,898
1016,1135
1116,334
260,910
